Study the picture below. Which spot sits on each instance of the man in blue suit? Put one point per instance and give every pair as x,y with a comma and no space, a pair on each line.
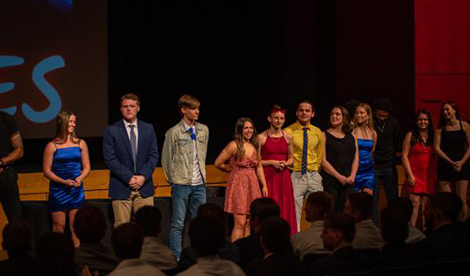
131,154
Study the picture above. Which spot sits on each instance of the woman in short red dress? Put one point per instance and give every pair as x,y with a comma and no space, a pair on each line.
277,154
419,161
246,173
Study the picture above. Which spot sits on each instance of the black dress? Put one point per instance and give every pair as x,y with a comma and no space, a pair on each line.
340,154
453,144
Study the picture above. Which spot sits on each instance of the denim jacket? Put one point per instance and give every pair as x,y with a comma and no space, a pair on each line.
177,154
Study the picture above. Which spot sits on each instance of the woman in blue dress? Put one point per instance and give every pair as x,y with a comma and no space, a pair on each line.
66,164
366,140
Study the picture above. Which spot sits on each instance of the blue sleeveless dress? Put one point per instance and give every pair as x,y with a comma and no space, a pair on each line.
365,177
66,164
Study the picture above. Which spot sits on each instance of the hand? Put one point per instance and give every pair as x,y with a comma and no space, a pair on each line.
351,179
79,181
1,169
411,181
279,165
342,179
265,191
71,183
457,165
136,182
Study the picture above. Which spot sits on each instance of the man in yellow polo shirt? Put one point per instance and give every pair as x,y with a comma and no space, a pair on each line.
308,152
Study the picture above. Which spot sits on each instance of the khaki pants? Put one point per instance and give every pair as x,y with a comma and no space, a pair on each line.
122,207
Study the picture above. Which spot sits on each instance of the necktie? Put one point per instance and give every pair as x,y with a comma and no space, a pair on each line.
193,135
133,140
304,151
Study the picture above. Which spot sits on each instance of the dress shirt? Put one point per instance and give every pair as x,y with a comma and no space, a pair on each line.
309,240
315,148
128,130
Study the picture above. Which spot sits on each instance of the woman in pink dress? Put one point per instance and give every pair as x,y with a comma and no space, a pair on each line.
419,161
246,173
277,154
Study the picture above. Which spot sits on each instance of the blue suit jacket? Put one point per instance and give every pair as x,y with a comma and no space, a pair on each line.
118,157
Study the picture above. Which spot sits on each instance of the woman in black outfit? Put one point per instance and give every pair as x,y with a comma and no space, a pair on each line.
451,144
341,159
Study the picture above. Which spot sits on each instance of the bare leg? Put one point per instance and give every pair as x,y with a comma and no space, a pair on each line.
369,191
461,191
238,227
444,186
246,233
58,221
76,241
424,201
416,200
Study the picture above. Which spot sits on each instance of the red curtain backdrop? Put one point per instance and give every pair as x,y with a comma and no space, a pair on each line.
442,54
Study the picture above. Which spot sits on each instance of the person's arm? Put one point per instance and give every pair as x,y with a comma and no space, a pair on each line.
374,135
110,158
328,167
290,149
85,162
47,167
147,169
355,164
262,179
17,152
224,156
437,147
461,162
404,159
167,153
320,150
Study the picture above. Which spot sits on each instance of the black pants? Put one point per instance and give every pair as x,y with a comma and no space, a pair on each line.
9,194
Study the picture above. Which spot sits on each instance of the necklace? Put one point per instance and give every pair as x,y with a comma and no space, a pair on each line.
381,129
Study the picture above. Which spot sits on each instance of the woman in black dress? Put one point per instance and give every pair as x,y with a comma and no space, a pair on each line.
451,144
341,159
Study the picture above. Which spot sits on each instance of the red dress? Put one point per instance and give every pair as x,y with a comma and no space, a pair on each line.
243,185
279,182
423,166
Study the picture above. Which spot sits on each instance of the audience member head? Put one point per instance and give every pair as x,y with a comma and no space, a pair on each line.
358,206
127,241
449,111
207,235
403,203
148,219
318,205
90,224
394,222
443,208
261,209
212,210
275,236
55,253
17,238
339,231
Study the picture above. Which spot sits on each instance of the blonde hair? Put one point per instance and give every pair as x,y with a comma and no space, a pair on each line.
369,123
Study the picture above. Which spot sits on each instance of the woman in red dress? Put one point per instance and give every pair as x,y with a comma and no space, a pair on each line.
246,173
419,161
277,154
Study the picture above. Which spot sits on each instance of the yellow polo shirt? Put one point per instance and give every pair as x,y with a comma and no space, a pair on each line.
315,147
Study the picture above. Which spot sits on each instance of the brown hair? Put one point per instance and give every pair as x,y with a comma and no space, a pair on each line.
130,96
346,128
307,102
238,136
277,108
62,124
188,101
